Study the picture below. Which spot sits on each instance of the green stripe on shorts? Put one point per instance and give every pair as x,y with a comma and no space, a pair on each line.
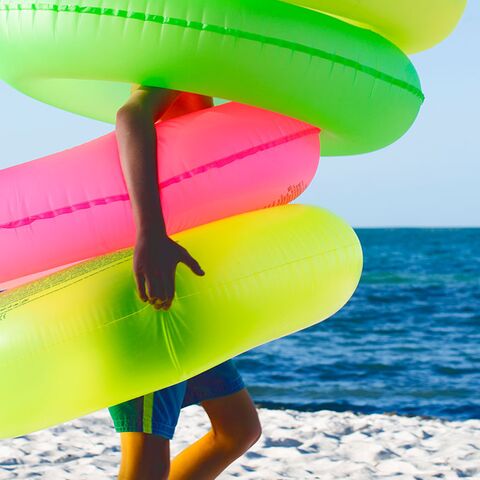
147,412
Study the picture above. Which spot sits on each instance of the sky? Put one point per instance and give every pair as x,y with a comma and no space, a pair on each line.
430,177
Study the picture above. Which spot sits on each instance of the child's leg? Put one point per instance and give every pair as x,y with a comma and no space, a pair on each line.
146,424
144,456
235,428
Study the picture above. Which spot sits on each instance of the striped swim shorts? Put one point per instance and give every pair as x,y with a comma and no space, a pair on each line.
158,412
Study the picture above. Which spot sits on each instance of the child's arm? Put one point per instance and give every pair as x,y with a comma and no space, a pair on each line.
156,255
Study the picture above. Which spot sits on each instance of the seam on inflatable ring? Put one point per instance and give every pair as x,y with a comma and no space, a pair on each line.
195,25
23,222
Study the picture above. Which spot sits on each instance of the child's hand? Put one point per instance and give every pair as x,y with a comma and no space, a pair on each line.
154,263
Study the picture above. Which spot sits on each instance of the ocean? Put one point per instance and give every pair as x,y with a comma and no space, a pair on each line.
408,342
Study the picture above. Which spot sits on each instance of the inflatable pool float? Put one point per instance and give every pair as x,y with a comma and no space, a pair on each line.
358,87
214,163
412,25
81,339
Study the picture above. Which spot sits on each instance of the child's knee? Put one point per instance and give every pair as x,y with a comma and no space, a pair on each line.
241,437
254,432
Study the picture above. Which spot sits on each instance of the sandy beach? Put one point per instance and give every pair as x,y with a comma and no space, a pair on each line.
295,445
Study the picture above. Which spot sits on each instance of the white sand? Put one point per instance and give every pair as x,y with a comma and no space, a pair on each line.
323,445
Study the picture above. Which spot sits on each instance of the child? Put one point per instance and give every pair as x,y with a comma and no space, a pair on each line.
147,423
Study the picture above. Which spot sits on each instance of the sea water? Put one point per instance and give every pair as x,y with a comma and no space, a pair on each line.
407,342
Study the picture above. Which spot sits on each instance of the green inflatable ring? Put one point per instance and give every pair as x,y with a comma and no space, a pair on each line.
358,87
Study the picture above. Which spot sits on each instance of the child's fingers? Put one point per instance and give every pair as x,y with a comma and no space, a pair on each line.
140,281
156,290
194,266
169,287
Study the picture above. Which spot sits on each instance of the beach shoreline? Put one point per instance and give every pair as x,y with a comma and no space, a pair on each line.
323,445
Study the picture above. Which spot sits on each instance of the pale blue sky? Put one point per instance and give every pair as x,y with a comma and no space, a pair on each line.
430,177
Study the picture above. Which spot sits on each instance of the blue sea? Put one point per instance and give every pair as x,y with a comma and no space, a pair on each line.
408,342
